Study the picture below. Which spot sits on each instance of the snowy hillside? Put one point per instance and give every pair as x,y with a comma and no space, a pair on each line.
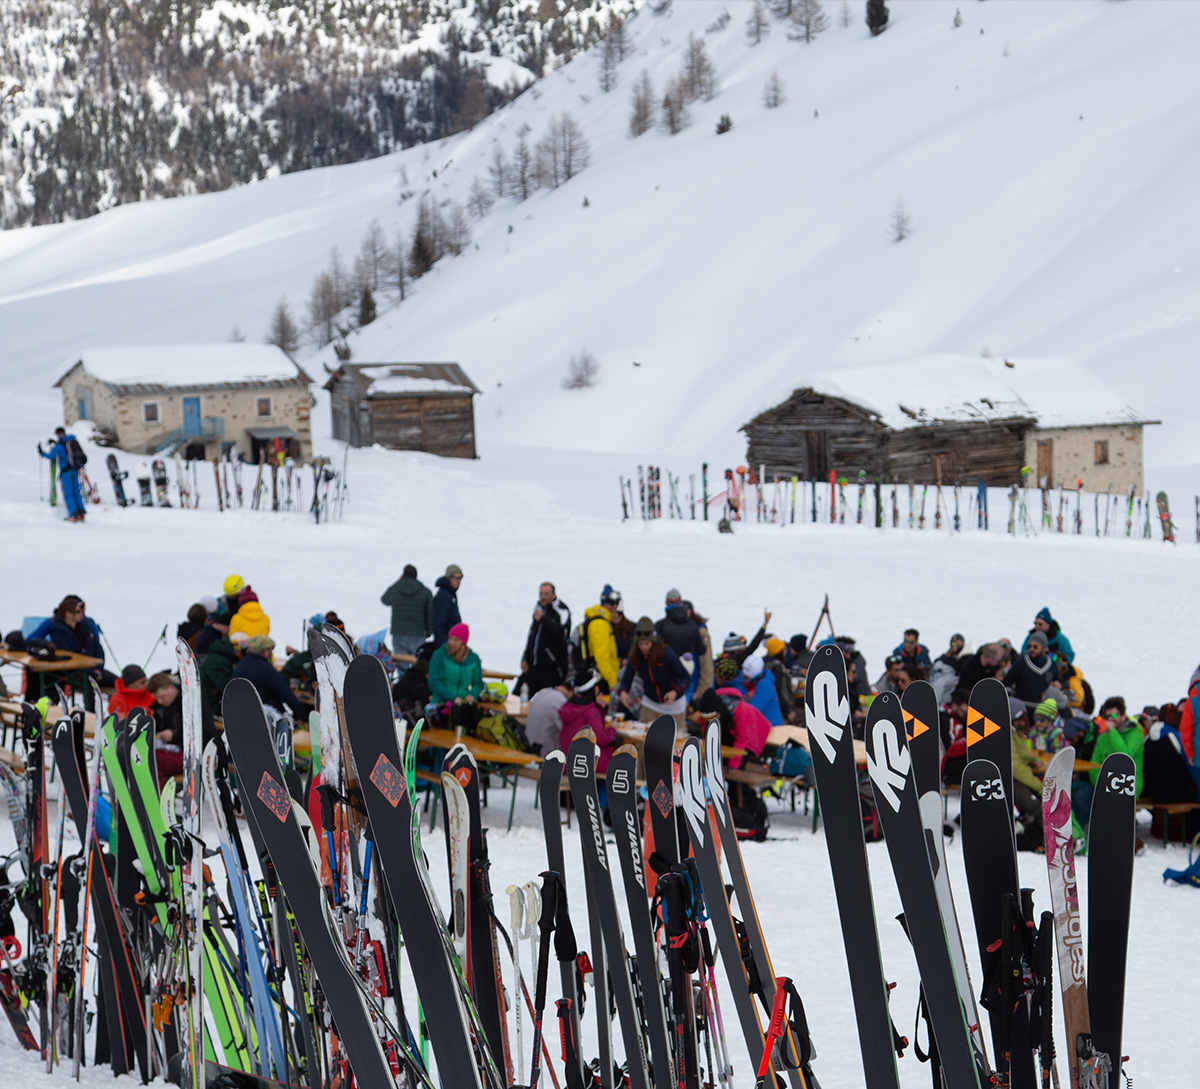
1042,150
105,104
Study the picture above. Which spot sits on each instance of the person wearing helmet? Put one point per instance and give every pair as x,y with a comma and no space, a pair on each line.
227,603
594,641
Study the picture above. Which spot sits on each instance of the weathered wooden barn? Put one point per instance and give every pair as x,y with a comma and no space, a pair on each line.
405,406
954,419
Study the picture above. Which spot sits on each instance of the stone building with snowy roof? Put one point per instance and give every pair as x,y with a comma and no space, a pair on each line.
199,399
953,419
405,406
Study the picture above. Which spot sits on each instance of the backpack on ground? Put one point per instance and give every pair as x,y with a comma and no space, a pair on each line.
502,730
753,821
76,458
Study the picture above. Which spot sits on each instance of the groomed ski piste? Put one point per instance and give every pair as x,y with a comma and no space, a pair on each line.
704,294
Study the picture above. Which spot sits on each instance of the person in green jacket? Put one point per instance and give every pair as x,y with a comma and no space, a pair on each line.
456,679
216,671
1120,734
1027,779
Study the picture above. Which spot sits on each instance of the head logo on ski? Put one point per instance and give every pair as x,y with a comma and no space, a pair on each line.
388,779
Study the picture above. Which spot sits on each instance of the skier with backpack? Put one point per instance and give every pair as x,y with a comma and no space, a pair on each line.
68,457
594,640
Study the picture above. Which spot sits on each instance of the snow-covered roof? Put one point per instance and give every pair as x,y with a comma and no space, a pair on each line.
404,379
921,390
187,366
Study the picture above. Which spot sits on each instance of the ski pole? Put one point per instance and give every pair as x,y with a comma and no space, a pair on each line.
774,1031
328,827
162,639
108,646
546,921
516,902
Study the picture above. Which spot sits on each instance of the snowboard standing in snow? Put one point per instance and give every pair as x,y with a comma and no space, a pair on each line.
145,491
161,483
831,745
118,480
1110,887
890,765
1164,516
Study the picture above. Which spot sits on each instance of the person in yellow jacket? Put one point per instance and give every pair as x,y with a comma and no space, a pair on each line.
597,644
249,617
1027,775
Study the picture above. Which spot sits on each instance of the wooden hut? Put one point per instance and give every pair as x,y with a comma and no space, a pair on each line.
954,419
405,406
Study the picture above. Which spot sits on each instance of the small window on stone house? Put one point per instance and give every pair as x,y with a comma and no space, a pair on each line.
150,412
262,406
1102,451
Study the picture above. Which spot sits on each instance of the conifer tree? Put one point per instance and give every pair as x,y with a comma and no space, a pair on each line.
877,17
641,117
284,333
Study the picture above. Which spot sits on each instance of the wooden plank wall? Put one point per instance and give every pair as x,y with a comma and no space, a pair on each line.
969,451
443,425
779,439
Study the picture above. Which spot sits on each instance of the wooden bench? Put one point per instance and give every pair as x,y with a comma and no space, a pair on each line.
1170,813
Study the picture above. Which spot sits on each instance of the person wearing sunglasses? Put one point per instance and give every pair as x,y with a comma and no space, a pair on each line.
1118,733
889,680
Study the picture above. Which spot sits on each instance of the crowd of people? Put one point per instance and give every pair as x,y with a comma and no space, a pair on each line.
607,667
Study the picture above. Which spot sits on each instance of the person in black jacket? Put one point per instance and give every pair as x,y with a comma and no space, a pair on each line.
1030,675
258,668
544,661
445,604
412,611
678,630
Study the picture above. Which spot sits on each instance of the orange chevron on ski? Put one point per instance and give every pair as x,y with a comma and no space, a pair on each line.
989,727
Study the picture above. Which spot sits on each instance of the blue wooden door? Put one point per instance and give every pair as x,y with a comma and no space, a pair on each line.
191,415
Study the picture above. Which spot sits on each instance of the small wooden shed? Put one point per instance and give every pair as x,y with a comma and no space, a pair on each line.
954,419
405,406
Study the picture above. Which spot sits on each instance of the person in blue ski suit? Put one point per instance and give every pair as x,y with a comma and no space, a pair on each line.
68,474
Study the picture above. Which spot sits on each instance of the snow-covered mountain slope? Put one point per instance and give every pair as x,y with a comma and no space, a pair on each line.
102,104
1043,150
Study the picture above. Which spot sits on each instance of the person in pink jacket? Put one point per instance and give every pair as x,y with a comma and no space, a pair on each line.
750,725
583,710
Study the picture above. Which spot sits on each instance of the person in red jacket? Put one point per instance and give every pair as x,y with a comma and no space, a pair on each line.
1187,728
582,711
130,693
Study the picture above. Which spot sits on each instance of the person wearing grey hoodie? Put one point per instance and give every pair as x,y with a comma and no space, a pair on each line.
412,611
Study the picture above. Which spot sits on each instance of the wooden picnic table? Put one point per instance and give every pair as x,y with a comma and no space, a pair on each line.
506,762
63,662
